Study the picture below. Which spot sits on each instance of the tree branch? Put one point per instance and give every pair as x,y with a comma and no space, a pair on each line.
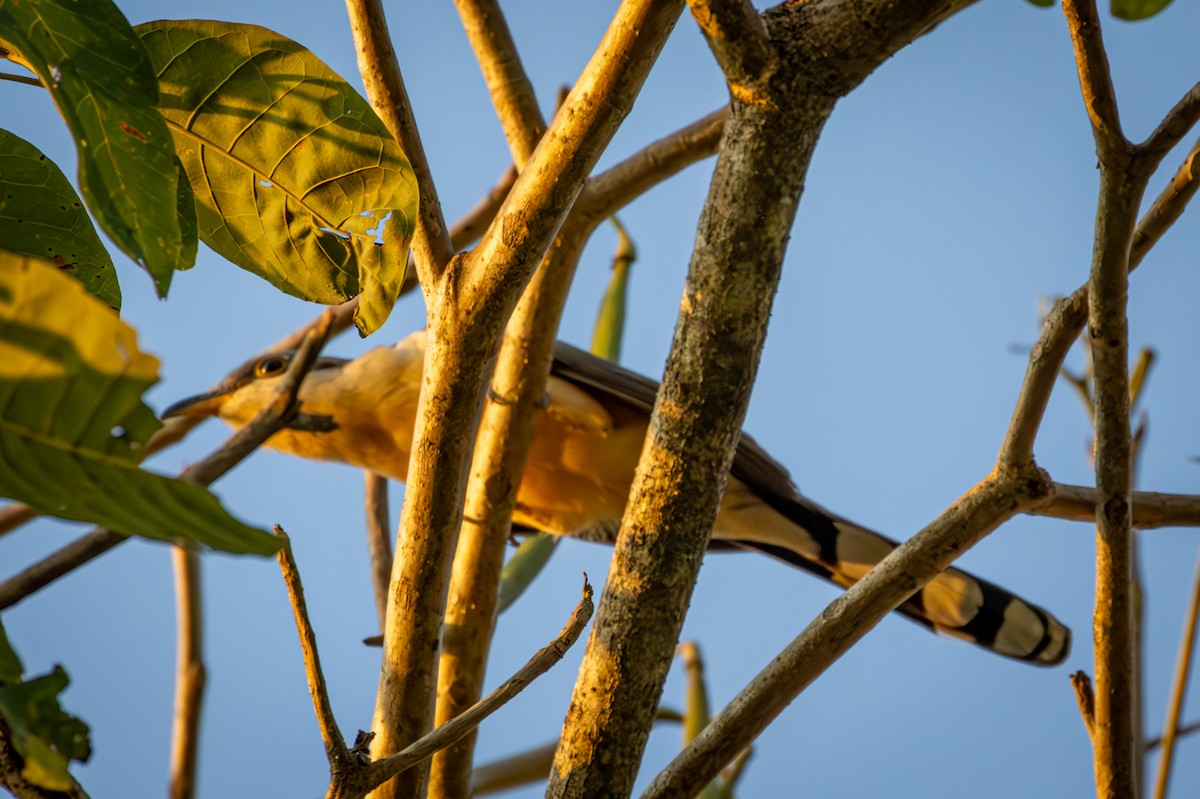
379,539
1095,79
847,619
387,95
451,731
511,92
467,312
738,39
1183,667
1150,510
190,673
1175,125
335,746
619,185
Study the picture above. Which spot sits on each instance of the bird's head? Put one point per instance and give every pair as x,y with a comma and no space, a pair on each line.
247,389
370,400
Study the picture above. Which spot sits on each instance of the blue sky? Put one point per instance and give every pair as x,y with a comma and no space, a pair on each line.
949,195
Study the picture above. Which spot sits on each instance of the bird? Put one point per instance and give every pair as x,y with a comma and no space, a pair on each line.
587,439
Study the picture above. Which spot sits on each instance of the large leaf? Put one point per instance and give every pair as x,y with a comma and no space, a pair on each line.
41,215
47,738
295,177
72,422
99,76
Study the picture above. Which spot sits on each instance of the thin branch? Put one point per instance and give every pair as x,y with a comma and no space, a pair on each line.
844,622
1183,667
385,89
1086,699
475,221
619,185
1123,179
1180,732
379,539
1174,126
739,41
555,174
511,92
1059,331
1095,79
15,514
1167,207
335,745
190,673
1150,510
514,771
451,731
25,79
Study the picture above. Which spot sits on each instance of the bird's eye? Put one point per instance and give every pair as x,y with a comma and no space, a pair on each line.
268,367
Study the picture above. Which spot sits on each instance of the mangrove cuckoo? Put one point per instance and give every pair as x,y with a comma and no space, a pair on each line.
587,440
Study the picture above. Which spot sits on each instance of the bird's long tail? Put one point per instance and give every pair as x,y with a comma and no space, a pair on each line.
954,603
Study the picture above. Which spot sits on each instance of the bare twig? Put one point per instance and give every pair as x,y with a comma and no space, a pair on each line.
1099,97
335,745
739,40
1150,510
619,185
1086,699
1166,207
25,79
511,92
1180,732
1174,126
190,673
844,622
452,730
1183,667
1059,330
475,221
386,92
1123,179
379,538
190,670
512,772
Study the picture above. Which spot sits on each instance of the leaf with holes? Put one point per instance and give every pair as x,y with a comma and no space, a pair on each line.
41,215
98,74
72,423
295,177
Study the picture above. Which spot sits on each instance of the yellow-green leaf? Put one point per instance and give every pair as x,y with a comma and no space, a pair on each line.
100,78
295,177
46,737
41,215
72,422
525,564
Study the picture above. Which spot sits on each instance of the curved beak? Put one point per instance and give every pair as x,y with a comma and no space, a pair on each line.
200,405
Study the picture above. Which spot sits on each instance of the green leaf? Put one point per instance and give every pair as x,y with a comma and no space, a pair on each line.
10,665
1044,3
525,564
41,215
1137,9
72,423
295,177
99,76
45,736
610,321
